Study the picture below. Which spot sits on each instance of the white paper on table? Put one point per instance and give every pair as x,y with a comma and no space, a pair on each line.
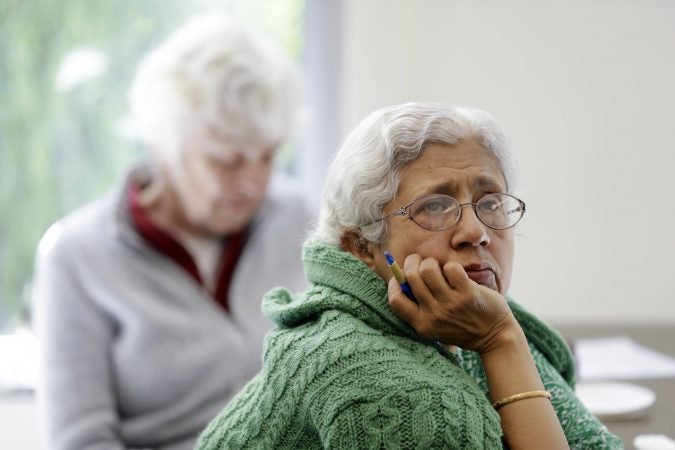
653,442
18,361
620,358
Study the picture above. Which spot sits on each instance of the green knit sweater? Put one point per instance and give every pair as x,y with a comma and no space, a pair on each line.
342,371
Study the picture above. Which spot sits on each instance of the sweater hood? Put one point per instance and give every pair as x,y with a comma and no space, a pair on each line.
353,288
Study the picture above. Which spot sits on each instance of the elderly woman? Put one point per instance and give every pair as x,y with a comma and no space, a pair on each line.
355,363
147,301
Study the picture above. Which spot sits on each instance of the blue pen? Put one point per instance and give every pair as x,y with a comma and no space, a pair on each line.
399,275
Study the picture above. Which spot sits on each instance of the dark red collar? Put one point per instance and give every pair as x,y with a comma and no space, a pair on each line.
169,246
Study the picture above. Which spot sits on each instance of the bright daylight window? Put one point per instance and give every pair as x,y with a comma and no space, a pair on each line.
65,67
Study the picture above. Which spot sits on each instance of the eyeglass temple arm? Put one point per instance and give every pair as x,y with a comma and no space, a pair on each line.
399,212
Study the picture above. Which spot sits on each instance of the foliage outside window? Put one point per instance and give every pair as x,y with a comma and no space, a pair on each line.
65,67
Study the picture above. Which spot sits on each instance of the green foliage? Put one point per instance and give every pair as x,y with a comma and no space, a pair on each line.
60,148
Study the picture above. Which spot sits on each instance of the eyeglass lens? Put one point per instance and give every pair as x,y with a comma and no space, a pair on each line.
440,212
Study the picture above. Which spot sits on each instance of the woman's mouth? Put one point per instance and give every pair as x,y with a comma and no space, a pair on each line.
234,205
482,274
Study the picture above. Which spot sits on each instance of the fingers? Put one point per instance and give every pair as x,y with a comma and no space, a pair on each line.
406,309
416,273
456,276
429,281
440,285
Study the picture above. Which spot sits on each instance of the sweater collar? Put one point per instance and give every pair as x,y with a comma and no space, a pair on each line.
338,281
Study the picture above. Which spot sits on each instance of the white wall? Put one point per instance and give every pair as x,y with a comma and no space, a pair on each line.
585,90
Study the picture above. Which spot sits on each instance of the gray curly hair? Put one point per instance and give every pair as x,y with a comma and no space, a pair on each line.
364,175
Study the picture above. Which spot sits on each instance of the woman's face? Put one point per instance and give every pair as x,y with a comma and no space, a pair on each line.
465,171
220,184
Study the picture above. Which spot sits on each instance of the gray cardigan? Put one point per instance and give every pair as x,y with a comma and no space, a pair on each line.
134,352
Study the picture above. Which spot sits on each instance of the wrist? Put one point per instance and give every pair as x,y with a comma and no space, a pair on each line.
507,337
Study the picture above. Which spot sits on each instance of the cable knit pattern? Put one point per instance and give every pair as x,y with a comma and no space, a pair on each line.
342,371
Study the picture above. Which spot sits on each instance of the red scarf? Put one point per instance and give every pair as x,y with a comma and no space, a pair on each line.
166,244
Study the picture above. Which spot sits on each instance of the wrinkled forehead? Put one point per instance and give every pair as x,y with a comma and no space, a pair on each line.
445,169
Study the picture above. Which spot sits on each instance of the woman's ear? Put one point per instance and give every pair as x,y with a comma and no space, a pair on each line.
352,242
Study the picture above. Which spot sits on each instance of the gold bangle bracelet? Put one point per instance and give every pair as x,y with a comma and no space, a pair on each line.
522,396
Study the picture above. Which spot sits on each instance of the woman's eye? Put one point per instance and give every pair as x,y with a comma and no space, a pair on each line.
435,206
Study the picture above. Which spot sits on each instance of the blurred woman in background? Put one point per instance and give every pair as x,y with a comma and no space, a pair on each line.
147,301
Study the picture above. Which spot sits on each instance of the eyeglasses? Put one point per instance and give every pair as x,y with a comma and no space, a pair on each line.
438,212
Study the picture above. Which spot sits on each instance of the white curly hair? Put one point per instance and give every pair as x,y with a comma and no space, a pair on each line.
213,73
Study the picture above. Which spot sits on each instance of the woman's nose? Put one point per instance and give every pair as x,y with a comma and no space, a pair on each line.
469,231
247,186
250,179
